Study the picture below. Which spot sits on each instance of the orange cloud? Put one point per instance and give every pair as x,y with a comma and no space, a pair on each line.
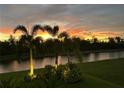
81,32
6,30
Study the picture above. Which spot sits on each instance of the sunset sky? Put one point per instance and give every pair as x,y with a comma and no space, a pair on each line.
85,21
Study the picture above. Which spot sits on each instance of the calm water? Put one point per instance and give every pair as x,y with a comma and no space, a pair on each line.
40,63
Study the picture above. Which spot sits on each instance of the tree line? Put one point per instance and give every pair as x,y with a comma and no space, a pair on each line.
62,45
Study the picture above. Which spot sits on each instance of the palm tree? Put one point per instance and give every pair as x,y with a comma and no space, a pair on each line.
118,39
54,32
28,41
63,35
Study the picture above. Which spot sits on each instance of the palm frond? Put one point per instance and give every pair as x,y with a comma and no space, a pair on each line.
21,28
36,28
63,34
48,29
55,30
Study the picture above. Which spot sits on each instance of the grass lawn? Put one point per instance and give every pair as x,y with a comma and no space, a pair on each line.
101,74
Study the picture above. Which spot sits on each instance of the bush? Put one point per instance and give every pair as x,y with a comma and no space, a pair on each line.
60,72
69,73
49,72
72,74
49,75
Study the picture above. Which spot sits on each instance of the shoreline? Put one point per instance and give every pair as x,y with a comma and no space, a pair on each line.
27,70
104,50
14,57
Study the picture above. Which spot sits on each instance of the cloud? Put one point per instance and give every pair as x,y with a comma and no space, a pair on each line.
94,18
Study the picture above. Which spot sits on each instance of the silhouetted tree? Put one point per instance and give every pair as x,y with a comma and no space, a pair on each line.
118,39
53,31
27,40
111,40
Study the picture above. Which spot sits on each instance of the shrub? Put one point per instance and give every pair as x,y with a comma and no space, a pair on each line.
72,74
59,72
49,75
49,72
68,73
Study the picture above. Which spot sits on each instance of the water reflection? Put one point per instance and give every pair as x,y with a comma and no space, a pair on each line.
40,63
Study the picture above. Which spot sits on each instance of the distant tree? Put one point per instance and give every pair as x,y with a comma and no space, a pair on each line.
118,39
95,40
11,40
111,40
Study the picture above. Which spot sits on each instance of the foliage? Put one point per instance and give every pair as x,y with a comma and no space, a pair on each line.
49,75
60,71
69,73
72,74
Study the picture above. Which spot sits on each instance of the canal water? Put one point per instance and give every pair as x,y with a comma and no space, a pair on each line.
40,63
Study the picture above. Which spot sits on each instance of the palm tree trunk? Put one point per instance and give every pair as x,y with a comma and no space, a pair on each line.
56,60
31,64
68,58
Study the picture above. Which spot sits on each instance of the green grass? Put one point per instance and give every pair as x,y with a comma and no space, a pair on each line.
109,70
101,74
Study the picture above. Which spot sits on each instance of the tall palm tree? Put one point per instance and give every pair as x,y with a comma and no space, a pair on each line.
28,40
54,32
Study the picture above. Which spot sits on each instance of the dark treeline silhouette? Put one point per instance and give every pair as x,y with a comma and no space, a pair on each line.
54,46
